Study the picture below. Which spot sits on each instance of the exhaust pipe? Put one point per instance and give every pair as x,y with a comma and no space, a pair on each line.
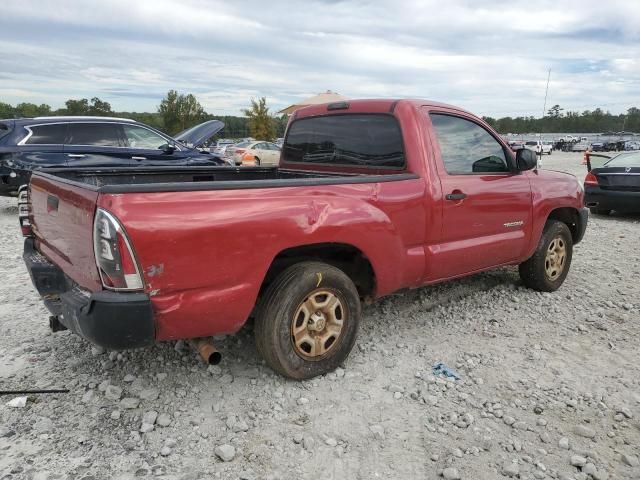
207,351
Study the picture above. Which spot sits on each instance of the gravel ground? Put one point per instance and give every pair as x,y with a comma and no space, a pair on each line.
549,388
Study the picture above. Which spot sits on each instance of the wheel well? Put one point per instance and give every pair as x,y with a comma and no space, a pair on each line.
568,216
347,258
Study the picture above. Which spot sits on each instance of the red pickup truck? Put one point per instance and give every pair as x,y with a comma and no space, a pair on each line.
370,197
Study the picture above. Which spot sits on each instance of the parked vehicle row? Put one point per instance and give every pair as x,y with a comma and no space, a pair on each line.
29,144
359,207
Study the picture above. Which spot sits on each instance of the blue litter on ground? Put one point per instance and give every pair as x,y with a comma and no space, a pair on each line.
442,370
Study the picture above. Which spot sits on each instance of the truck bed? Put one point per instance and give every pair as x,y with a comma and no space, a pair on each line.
167,179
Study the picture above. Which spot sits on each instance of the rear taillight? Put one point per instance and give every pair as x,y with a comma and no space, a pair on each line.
248,159
24,211
114,256
591,179
239,151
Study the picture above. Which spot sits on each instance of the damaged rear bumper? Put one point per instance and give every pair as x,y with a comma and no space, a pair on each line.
113,320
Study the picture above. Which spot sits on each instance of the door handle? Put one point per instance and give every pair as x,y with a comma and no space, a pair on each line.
75,155
138,158
456,196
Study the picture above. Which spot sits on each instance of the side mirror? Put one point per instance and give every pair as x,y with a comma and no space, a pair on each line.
168,148
526,159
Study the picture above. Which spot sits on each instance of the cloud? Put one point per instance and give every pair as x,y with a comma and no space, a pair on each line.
491,59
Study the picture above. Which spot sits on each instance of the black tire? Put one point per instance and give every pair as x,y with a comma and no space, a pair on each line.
257,162
534,271
550,151
599,211
279,313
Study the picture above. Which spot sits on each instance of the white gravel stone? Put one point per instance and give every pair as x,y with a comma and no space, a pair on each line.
510,469
578,461
225,452
20,402
113,392
451,473
584,431
630,459
129,403
163,420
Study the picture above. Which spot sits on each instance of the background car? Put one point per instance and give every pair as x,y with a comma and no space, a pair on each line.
539,146
32,143
221,147
612,183
254,153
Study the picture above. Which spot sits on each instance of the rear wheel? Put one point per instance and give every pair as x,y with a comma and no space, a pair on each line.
257,162
307,320
599,211
548,267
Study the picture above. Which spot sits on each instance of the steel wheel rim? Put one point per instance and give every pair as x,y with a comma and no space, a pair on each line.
317,324
555,258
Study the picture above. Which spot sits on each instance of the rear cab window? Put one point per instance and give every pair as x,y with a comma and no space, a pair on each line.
348,140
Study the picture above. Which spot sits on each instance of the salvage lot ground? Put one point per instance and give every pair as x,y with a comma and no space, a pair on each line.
548,380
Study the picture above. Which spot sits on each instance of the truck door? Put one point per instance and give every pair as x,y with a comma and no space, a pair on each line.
486,203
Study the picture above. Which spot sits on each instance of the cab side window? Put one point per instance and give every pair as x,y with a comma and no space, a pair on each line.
467,148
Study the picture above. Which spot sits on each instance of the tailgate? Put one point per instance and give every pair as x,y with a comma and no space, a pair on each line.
62,220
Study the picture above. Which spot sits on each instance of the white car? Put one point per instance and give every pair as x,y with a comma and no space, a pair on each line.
221,147
539,147
256,153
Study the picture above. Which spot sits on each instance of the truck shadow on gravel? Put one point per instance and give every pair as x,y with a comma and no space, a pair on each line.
397,313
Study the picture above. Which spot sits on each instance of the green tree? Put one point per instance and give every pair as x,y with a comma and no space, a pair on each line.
32,110
555,111
6,110
180,112
77,107
261,124
100,108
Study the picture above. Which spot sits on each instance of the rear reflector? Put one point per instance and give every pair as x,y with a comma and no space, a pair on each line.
114,256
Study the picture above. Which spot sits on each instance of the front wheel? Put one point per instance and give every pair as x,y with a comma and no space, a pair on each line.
307,321
546,270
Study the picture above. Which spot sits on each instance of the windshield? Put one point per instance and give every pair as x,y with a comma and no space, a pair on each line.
243,144
532,143
625,160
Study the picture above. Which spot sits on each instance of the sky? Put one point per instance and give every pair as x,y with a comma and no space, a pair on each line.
491,57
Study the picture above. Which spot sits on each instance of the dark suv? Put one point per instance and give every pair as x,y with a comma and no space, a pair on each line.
31,143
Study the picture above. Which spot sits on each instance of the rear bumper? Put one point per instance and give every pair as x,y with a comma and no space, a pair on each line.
113,320
596,197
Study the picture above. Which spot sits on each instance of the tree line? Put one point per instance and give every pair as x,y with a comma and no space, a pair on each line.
559,120
178,112
175,113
